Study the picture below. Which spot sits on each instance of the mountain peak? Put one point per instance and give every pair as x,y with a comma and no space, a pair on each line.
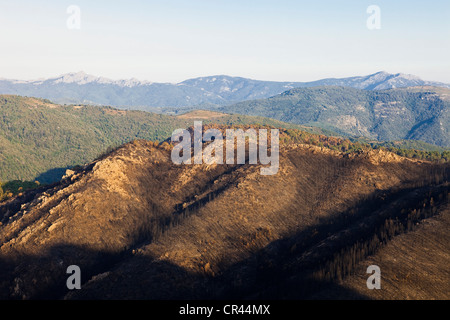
408,76
77,77
386,75
381,73
82,77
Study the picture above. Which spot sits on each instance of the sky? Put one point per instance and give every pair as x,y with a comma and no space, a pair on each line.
174,40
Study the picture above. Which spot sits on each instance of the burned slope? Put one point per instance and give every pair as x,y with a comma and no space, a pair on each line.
279,237
141,227
92,218
413,265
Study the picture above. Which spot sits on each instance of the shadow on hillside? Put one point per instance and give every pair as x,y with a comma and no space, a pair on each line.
301,266
42,277
51,176
312,261
10,207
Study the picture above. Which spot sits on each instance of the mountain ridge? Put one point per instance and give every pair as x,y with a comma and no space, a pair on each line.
80,87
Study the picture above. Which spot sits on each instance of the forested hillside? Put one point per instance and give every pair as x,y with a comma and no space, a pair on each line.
409,113
40,139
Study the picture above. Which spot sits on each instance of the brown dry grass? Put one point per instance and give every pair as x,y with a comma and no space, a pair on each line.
202,114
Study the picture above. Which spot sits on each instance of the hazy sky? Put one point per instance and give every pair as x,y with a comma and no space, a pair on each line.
173,40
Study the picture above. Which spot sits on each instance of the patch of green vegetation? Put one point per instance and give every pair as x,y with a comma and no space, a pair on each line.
15,187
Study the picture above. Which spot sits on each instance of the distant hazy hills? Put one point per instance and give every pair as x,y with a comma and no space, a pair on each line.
221,90
419,113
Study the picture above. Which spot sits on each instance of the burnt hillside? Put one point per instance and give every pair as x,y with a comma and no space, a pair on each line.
141,227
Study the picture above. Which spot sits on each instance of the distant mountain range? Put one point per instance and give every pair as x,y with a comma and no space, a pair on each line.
82,88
